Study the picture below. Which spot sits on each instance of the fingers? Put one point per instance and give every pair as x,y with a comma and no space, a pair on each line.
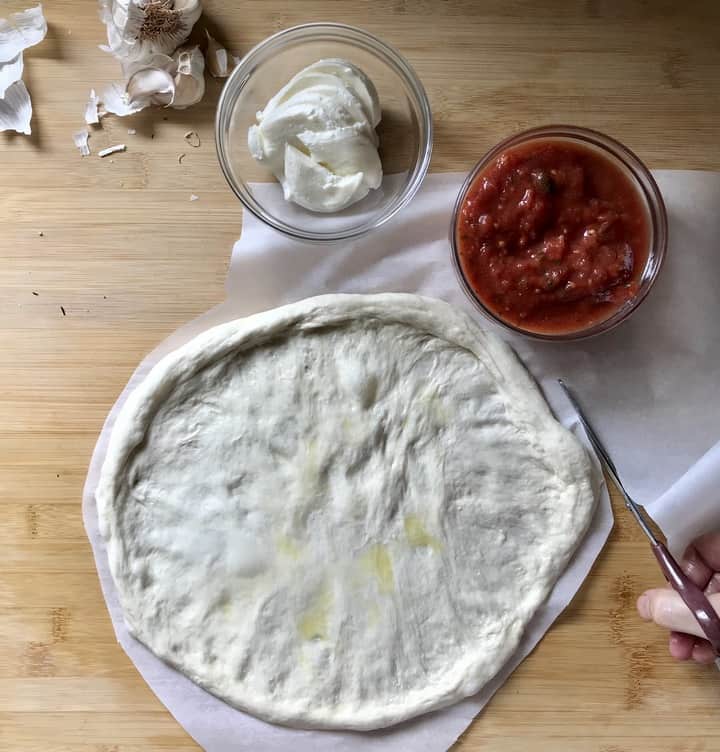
681,646
708,546
701,562
703,652
684,647
666,608
714,585
695,567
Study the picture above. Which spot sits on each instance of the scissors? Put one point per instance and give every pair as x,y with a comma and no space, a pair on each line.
692,595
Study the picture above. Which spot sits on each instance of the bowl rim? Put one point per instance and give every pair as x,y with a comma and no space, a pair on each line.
239,78
646,186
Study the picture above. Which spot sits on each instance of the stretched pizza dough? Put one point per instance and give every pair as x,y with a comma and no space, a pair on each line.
341,513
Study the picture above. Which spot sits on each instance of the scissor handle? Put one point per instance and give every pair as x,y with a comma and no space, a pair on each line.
692,595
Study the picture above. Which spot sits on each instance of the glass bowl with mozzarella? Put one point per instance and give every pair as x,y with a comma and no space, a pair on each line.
323,132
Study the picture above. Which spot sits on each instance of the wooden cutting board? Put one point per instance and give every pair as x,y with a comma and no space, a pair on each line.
100,259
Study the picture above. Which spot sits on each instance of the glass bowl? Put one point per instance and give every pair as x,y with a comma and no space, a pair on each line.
650,198
405,130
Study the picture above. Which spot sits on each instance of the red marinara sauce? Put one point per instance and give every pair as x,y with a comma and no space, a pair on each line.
552,236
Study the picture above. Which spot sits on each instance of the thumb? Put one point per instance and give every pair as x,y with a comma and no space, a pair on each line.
666,608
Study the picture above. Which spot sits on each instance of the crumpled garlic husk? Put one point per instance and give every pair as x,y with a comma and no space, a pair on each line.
137,29
81,141
111,150
20,31
216,57
16,109
10,72
93,110
177,81
17,33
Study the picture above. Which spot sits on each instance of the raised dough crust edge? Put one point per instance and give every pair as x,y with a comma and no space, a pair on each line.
424,314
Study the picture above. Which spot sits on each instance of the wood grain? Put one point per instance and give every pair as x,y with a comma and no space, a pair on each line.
130,258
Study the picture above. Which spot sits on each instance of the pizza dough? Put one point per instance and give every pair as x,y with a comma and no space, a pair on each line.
341,513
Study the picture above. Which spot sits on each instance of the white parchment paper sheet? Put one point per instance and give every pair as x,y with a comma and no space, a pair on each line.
651,388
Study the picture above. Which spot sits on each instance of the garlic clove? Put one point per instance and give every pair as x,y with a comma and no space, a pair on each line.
189,78
20,31
115,100
216,57
10,72
16,109
150,86
154,60
139,28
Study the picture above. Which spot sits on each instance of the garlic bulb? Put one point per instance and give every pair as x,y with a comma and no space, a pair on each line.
137,29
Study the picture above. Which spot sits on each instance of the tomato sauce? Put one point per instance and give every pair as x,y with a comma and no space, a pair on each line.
553,237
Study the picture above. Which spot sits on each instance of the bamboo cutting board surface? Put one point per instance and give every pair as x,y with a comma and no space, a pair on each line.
101,259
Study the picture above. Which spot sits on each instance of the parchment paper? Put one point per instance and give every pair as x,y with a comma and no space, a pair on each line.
650,387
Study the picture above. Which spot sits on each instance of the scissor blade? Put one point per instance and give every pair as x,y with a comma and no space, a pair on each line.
608,463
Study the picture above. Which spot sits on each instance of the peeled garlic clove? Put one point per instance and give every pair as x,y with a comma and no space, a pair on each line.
216,57
16,109
139,28
20,31
10,72
189,78
150,86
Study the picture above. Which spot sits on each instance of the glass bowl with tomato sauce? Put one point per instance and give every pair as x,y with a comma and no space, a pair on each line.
559,233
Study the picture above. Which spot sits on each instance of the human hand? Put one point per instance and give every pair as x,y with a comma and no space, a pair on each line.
701,562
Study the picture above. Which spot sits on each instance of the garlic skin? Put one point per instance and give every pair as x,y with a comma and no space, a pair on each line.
10,72
92,112
17,33
81,141
111,150
20,31
137,29
16,109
